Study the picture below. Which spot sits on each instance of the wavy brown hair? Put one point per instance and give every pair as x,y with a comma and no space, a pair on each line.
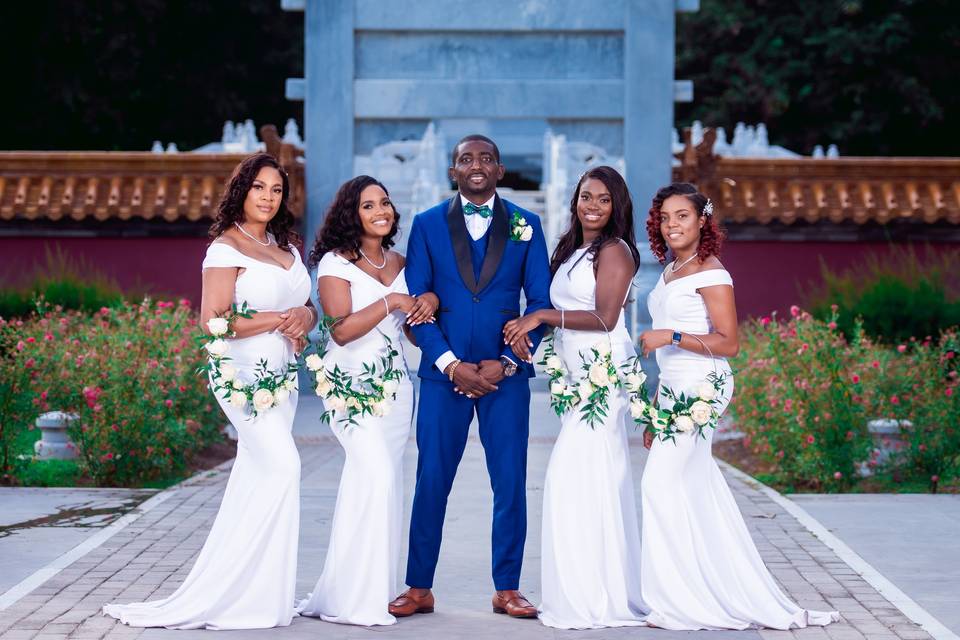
711,235
342,228
618,227
230,207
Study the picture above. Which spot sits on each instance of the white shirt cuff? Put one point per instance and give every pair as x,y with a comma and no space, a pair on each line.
444,360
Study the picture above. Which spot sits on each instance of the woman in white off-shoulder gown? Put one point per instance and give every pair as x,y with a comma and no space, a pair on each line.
361,282
245,575
701,569
590,566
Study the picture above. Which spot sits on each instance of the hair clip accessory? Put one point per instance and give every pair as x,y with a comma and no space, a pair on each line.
708,208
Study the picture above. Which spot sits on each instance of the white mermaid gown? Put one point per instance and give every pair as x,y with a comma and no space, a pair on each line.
590,566
360,572
245,574
701,569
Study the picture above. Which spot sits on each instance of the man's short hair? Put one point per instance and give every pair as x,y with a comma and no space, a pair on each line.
474,137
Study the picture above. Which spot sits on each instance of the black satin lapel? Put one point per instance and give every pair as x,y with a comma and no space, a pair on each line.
496,244
461,243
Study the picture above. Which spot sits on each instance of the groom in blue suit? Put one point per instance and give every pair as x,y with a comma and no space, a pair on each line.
477,252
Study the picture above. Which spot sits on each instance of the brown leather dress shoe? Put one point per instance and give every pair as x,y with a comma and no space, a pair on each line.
408,603
514,604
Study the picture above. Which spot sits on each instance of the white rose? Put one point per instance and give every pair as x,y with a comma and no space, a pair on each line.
554,363
218,326
390,387
602,347
377,409
227,372
598,374
637,409
262,399
585,390
706,391
352,402
684,424
323,387
336,403
557,388
526,234
217,348
701,412
521,221
281,395
634,382
314,362
238,399
290,384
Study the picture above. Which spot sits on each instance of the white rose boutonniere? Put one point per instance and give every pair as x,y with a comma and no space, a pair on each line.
520,229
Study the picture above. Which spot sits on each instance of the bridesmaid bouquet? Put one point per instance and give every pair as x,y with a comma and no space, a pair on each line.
692,413
369,393
268,389
592,392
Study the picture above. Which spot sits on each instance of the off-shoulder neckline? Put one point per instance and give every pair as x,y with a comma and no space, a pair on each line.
291,250
692,275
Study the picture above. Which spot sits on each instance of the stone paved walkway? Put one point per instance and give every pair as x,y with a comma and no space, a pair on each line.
151,556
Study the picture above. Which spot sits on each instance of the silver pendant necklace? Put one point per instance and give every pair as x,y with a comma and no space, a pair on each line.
370,262
244,232
674,267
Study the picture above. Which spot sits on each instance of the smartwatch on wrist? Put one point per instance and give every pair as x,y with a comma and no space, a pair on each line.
676,337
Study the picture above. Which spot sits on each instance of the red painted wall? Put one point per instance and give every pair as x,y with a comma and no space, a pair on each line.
767,275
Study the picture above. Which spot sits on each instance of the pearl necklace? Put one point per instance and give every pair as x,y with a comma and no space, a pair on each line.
244,232
674,268
370,262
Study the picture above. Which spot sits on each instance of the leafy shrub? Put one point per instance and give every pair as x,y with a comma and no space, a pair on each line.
61,281
127,372
806,390
896,297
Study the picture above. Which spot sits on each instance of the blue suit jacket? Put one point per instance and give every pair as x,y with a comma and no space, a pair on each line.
473,311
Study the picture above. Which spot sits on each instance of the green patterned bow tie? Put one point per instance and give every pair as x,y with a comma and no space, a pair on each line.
470,209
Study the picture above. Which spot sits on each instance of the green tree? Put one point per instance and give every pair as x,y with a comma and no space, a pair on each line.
116,75
876,78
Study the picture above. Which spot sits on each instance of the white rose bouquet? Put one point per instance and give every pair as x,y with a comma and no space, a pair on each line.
268,389
347,396
690,413
592,392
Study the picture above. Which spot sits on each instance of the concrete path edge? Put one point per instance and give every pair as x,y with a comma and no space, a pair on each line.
38,577
909,607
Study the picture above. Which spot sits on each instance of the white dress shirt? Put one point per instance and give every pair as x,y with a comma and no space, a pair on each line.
477,225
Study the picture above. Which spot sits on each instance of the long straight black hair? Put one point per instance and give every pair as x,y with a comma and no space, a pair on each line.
618,227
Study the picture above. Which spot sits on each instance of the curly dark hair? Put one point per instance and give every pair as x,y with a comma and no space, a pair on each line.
342,228
618,227
230,207
711,235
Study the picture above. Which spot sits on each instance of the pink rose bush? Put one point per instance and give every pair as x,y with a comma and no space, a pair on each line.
805,393
129,374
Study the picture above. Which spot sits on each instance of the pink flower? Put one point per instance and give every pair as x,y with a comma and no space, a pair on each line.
780,454
894,400
765,320
832,326
183,388
166,450
104,311
48,337
875,364
794,310
837,475
948,392
934,478
855,379
902,348
20,345
29,364
184,302
834,307
811,439
950,354
849,435
106,456
168,402
922,448
31,340
114,427
788,405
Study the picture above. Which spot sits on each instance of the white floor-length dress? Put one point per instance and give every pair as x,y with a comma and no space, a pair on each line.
361,568
590,566
245,574
701,569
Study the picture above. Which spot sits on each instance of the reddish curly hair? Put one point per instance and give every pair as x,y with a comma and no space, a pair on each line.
711,235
